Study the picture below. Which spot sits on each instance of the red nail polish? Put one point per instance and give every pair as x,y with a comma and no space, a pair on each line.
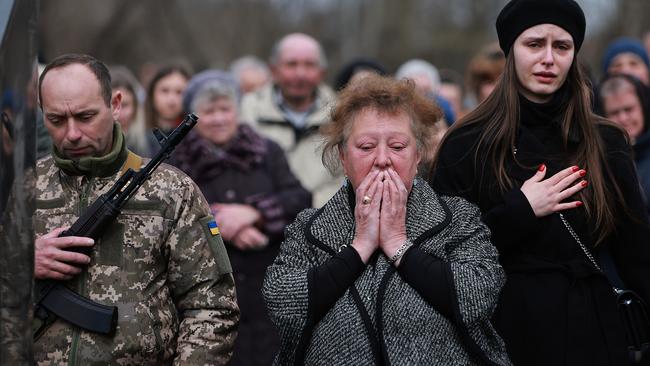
584,183
575,169
583,173
541,168
578,204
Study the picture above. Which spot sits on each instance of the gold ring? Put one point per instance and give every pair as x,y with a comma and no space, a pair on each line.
366,200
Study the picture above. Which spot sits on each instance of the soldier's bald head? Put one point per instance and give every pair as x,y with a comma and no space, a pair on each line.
96,67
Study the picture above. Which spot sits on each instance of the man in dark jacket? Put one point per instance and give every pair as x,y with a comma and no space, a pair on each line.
624,100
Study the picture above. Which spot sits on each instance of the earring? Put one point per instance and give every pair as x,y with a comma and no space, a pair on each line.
345,181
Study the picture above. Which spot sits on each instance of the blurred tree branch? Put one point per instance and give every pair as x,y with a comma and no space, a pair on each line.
211,33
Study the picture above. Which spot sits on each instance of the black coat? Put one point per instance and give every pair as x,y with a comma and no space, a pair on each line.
251,170
642,161
555,308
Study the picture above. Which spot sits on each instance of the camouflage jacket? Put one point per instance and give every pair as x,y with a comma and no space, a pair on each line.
159,263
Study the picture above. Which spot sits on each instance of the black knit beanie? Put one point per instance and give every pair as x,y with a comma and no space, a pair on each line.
519,15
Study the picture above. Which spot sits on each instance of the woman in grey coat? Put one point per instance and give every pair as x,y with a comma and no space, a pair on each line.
387,272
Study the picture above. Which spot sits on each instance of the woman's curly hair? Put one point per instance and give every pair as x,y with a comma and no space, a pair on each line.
384,95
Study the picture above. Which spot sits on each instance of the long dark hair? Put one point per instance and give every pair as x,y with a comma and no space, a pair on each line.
499,127
150,114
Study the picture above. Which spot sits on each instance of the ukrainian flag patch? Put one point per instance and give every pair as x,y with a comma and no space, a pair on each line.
214,229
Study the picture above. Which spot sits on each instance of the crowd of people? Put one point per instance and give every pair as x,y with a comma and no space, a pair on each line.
409,217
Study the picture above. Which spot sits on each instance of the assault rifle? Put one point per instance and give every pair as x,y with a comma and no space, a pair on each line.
54,297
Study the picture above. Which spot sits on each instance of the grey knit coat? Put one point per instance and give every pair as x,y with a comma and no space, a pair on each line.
382,320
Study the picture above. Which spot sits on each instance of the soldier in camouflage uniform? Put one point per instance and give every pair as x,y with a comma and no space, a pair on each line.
160,263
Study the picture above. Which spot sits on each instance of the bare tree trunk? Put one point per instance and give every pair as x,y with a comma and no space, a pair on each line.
371,33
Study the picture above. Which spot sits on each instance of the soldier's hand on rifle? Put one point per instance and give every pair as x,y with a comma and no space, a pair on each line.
52,261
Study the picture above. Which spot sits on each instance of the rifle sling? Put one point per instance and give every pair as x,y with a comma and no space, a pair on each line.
133,161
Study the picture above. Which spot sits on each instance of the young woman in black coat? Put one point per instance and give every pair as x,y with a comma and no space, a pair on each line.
534,150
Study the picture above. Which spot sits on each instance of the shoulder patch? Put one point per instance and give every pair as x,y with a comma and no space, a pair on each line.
213,228
211,231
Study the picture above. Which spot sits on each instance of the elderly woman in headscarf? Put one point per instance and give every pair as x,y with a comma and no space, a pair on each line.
253,194
627,56
387,272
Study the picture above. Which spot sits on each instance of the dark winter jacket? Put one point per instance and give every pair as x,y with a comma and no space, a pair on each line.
252,170
642,161
556,308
